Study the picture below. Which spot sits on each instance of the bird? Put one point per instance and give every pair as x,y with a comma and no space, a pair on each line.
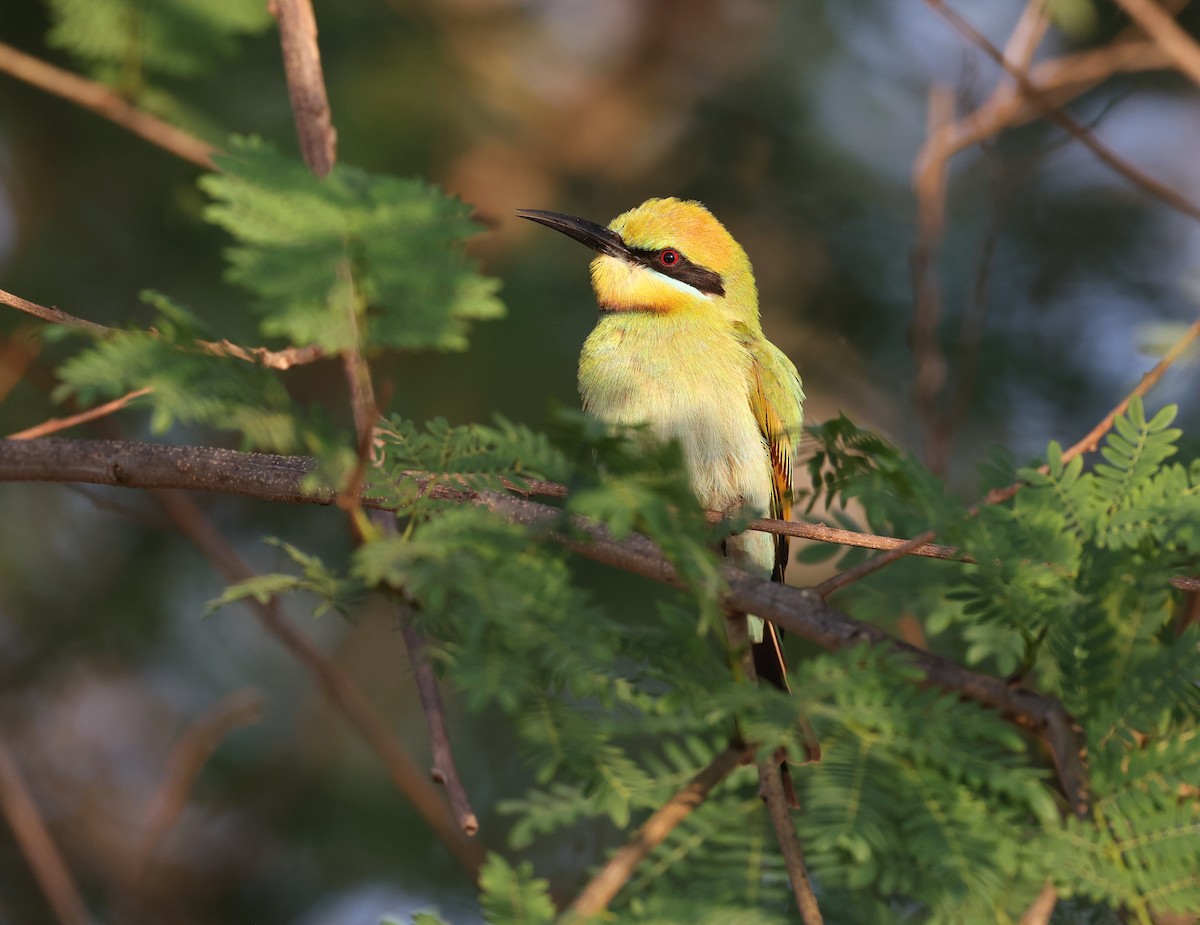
679,347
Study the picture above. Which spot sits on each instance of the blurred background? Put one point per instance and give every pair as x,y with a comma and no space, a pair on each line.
797,123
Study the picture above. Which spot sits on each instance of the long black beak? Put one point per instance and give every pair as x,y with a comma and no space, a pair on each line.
597,237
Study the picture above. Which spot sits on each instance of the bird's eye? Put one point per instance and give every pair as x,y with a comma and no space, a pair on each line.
669,257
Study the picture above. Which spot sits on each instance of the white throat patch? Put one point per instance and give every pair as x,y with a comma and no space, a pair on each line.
680,285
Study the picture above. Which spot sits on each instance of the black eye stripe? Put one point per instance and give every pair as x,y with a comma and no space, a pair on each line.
702,278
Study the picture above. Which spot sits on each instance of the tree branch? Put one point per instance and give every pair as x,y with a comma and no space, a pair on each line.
105,102
604,886
281,478
771,785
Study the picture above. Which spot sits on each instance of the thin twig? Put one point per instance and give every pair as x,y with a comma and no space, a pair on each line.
789,841
53,315
339,689
262,356
184,764
874,564
1055,114
445,769
105,102
604,886
306,83
54,425
37,845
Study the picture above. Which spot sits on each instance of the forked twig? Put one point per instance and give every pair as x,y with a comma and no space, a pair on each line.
1070,125
1086,444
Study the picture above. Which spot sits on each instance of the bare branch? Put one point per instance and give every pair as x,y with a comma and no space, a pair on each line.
875,563
54,425
607,882
774,790
306,83
1071,126
1160,26
105,102
31,834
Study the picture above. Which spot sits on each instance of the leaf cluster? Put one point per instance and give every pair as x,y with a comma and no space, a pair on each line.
1071,589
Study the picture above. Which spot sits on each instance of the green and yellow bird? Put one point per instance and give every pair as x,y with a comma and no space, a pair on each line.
679,347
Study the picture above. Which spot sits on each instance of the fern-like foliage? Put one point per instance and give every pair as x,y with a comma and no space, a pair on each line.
351,257
1072,587
189,385
135,46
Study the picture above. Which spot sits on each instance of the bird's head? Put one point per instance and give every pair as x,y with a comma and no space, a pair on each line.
665,256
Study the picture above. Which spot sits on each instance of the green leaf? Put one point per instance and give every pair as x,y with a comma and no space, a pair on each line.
189,385
331,591
123,41
513,896
351,254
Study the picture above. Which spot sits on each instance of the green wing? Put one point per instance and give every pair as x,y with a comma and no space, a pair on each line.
777,401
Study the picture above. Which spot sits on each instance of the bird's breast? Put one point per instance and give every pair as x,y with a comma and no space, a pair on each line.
689,381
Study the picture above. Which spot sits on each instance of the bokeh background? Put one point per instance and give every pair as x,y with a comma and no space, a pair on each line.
796,122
